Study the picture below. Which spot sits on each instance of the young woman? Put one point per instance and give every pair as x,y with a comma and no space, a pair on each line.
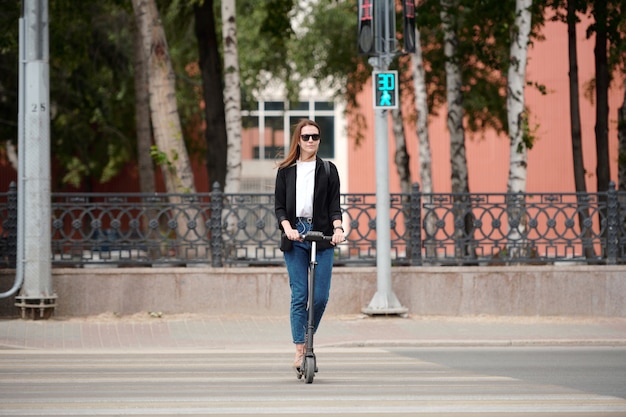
307,198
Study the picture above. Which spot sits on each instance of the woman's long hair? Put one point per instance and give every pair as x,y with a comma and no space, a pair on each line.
294,147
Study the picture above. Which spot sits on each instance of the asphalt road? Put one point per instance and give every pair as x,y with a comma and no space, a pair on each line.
505,381
598,370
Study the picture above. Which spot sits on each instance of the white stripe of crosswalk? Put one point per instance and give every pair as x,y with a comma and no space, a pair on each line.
350,382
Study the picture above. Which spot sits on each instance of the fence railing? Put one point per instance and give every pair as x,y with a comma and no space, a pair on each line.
220,229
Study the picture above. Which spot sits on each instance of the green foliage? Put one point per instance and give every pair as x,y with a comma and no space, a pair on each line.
91,89
614,20
263,33
616,32
325,49
91,55
91,83
528,132
484,32
161,158
8,68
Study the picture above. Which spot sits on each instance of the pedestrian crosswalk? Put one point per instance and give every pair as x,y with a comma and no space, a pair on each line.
350,382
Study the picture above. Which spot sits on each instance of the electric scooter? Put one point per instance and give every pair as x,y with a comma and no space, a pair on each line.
308,368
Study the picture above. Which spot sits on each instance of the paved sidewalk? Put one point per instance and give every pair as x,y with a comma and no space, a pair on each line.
154,331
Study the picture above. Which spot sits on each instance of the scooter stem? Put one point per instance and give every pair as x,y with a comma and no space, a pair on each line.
311,320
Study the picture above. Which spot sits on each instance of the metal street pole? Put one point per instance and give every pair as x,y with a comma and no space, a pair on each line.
36,297
384,300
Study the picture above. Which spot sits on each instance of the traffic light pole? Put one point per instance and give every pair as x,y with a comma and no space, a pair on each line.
384,300
36,299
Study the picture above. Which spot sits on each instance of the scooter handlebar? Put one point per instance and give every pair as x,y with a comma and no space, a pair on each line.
315,236
312,236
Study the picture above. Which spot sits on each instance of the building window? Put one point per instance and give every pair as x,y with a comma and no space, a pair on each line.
267,128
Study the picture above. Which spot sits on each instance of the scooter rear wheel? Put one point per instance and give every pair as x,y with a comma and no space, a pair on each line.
309,369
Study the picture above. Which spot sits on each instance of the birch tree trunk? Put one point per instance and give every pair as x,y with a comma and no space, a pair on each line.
164,110
401,155
144,133
577,146
212,91
574,100
142,118
425,162
603,166
516,80
518,126
458,161
12,154
402,163
621,138
454,94
600,52
232,97
421,105
185,218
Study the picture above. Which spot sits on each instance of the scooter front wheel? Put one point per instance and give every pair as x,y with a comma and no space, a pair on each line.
309,369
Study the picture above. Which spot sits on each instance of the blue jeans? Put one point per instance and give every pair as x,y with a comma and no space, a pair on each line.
297,261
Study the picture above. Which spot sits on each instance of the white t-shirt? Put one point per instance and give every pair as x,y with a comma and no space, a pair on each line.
305,184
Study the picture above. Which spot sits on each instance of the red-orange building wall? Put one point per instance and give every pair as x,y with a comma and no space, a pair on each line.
550,164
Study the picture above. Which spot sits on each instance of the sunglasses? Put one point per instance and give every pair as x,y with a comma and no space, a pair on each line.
306,138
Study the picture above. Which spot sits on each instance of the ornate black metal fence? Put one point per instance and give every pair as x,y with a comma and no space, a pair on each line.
8,227
219,229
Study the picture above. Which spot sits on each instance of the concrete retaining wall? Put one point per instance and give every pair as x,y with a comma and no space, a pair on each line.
570,290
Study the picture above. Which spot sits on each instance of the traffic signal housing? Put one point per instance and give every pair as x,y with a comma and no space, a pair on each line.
385,89
408,20
366,30
377,27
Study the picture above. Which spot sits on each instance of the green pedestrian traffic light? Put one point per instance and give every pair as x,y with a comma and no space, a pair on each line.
385,89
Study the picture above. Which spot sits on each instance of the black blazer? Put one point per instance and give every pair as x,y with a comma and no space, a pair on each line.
326,201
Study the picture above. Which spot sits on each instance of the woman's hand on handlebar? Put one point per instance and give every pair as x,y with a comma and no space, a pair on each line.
338,237
293,234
